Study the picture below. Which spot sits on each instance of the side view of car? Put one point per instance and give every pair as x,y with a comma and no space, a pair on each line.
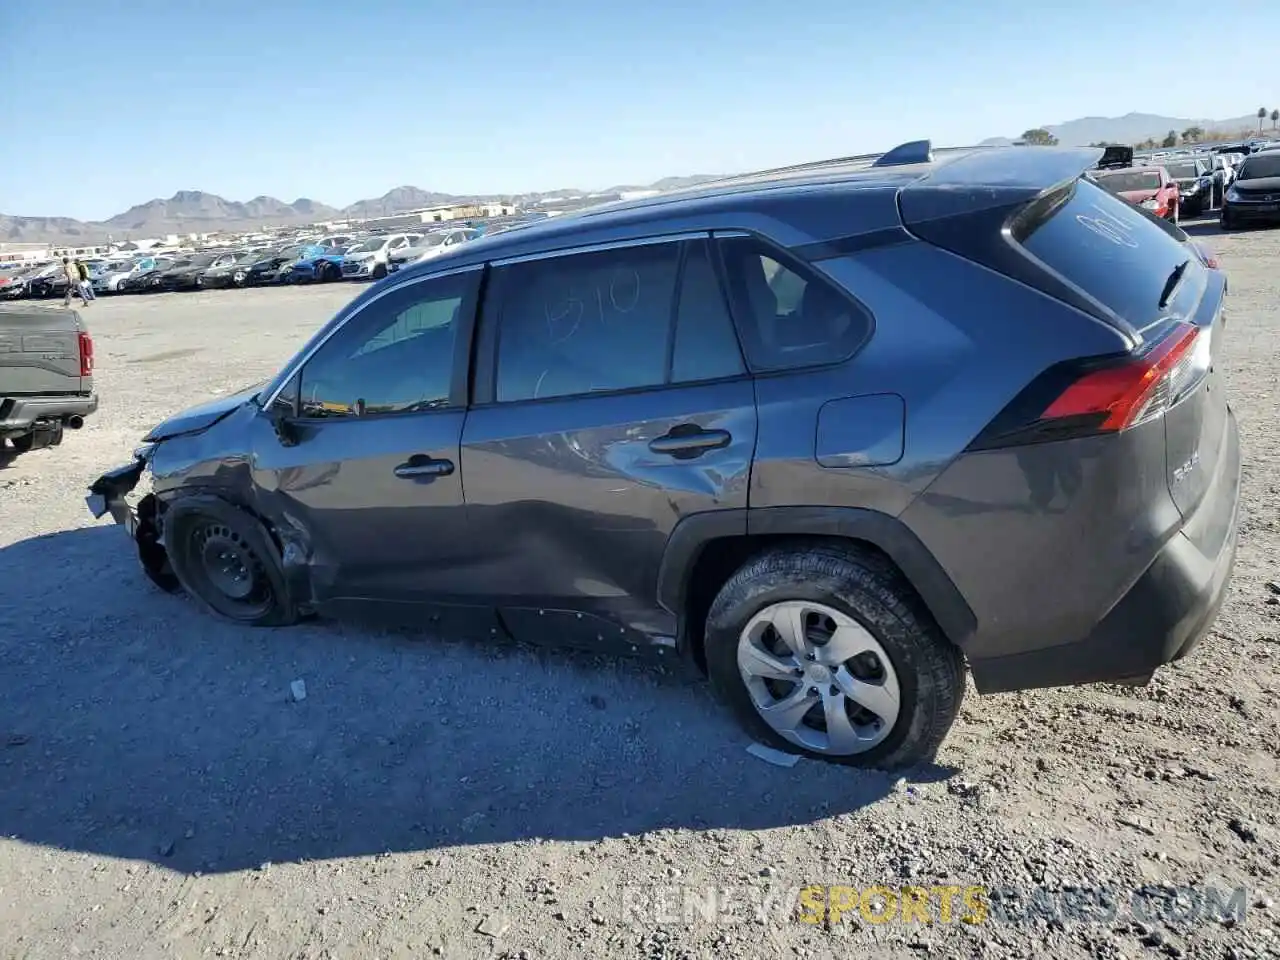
752,426
318,267
234,272
368,260
273,266
189,274
142,279
430,245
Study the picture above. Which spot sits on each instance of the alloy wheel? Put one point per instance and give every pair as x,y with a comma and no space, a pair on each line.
819,678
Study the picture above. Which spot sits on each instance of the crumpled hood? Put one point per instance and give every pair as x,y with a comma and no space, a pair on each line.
201,417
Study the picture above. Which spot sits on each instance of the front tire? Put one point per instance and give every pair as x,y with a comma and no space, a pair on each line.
224,558
1225,222
827,652
379,271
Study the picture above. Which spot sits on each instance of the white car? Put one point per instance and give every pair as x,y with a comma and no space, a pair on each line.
429,246
368,260
107,279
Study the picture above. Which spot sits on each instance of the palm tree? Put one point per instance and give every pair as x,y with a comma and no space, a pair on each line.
1262,115
1275,118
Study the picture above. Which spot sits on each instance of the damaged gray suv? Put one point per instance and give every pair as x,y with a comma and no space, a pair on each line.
828,432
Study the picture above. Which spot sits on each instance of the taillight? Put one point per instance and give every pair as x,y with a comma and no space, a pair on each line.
86,354
1107,395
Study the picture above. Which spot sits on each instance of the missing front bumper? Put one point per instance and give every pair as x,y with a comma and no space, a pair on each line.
107,495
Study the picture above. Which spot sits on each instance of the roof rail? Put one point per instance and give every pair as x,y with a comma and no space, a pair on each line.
914,151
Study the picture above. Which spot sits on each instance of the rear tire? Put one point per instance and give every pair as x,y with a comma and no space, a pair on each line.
23,443
866,606
224,558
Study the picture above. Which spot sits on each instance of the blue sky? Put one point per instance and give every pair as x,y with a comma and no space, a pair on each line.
107,104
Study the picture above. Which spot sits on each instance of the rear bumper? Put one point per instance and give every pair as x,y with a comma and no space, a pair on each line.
1162,617
17,415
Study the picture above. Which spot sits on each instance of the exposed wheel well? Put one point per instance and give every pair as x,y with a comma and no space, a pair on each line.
719,559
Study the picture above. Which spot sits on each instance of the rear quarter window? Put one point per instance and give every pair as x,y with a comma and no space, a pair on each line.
1106,247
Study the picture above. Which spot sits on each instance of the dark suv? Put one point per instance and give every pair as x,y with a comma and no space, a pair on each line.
827,432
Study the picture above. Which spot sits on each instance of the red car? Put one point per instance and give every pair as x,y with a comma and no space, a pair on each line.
1148,187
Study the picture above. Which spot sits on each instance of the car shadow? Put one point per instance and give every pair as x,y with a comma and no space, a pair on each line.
133,725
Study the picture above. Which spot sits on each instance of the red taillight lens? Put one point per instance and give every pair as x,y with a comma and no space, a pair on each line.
86,354
1083,398
1124,395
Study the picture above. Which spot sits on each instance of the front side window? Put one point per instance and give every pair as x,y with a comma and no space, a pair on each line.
789,316
395,356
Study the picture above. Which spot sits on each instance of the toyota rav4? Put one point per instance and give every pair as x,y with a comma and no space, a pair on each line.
827,433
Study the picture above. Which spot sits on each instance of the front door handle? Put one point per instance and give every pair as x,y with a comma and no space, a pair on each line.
422,467
689,440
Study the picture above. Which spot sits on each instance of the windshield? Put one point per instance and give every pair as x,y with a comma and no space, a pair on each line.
1181,171
1127,180
204,259
369,246
1257,167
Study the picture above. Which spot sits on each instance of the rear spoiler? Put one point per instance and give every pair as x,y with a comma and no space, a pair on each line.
999,179
968,207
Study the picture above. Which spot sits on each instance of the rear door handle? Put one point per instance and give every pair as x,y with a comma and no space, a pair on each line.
689,440
422,467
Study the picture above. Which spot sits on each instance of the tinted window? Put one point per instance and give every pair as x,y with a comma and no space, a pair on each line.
587,322
1108,249
395,356
789,316
706,347
1260,166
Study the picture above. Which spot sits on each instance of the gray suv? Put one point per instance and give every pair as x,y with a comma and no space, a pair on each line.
826,432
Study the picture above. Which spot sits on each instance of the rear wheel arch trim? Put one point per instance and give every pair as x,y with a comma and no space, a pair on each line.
888,534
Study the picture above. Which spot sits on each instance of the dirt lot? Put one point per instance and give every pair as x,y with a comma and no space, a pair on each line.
162,796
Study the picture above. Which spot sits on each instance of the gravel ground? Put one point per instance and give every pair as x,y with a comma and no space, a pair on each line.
162,795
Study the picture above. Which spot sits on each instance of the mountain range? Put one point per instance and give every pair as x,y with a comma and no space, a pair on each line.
1136,127
193,211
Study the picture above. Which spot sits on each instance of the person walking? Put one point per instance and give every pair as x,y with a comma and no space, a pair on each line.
72,273
86,288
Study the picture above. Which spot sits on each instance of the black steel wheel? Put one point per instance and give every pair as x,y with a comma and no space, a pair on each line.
224,559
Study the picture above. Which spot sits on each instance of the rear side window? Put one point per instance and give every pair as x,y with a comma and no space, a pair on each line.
1107,248
788,315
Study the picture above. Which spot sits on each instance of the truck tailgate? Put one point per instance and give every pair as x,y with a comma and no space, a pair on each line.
40,352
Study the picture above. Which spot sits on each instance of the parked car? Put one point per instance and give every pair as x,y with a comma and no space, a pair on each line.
18,285
1254,197
336,241
1148,187
111,278
368,259
759,413
430,245
319,268
46,376
273,266
234,272
1199,188
145,280
189,275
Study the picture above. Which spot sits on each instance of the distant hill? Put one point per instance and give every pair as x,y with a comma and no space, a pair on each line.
1136,127
194,211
